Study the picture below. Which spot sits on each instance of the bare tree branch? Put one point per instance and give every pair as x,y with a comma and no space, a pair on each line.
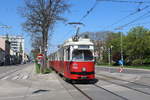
41,15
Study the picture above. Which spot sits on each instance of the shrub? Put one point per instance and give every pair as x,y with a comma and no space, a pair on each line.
137,62
37,68
146,61
47,70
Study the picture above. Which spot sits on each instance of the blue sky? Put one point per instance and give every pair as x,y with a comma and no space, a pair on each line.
102,16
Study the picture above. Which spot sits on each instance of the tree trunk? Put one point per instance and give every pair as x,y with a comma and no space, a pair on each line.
44,51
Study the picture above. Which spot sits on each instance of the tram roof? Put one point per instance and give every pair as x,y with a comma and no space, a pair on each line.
81,41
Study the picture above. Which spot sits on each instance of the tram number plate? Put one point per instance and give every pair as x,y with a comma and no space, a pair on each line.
84,77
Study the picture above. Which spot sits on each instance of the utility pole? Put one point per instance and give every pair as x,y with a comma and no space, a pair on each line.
121,45
109,56
111,53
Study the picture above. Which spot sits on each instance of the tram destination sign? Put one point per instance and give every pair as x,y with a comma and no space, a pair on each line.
83,46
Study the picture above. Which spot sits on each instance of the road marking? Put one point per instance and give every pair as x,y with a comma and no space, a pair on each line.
23,96
15,78
25,77
8,72
5,78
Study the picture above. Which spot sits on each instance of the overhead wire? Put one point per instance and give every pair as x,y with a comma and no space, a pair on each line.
125,17
121,1
85,15
124,1
144,15
139,24
89,11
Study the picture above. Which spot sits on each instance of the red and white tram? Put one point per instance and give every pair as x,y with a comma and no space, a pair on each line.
74,60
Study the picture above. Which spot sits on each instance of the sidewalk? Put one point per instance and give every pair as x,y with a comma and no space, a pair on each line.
27,85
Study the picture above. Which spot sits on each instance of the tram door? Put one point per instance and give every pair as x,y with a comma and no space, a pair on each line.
61,60
67,60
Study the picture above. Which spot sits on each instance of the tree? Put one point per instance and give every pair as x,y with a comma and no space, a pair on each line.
99,40
41,15
137,45
35,52
113,42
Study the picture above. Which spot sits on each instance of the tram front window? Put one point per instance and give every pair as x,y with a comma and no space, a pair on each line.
82,55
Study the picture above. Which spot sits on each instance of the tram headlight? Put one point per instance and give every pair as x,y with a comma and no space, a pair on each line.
84,69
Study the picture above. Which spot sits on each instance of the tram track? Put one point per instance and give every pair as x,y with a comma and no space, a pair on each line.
86,91
115,78
121,97
81,90
67,86
103,78
101,88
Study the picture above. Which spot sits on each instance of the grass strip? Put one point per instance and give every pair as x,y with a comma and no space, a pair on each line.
136,67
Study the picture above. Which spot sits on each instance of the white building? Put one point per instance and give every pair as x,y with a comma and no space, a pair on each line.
16,44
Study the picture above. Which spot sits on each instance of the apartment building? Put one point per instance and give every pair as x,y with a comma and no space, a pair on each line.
4,51
16,44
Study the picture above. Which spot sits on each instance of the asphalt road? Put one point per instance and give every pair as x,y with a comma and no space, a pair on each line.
4,69
25,84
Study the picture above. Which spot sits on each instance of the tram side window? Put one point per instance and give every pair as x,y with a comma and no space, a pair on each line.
60,54
67,54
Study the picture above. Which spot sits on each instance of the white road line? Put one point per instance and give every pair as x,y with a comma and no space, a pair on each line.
5,78
8,72
25,77
22,96
15,78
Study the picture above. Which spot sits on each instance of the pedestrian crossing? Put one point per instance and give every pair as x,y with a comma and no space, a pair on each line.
16,77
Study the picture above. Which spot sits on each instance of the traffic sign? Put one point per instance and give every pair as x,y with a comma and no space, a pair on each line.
40,56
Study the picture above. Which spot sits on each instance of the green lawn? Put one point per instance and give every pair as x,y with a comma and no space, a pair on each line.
139,67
